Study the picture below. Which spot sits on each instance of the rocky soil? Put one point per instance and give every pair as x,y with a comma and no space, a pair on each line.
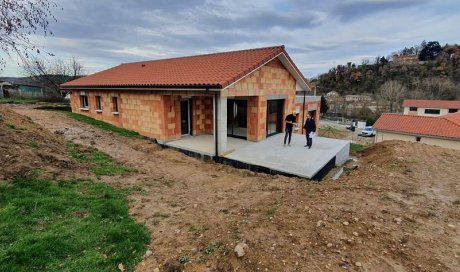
399,210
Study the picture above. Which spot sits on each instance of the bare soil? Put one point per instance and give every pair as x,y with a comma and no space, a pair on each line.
399,210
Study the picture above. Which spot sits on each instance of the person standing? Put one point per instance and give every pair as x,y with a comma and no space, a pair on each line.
310,128
290,121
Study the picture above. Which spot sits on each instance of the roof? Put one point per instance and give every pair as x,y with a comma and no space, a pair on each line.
217,70
442,104
447,126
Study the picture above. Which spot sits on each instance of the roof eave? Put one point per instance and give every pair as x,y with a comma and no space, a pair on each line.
210,87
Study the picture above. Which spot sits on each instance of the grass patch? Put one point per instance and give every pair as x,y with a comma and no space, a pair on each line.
104,125
18,100
271,212
184,259
99,162
160,215
210,249
11,126
356,147
195,229
331,132
67,226
34,144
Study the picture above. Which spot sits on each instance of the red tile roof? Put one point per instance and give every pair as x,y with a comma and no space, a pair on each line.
438,104
211,70
442,126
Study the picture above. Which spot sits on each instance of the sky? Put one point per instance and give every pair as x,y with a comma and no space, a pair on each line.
318,35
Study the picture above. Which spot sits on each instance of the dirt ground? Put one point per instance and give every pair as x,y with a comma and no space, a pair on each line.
399,210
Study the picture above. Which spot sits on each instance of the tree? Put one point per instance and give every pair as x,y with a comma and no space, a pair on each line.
52,73
324,105
19,20
392,91
430,51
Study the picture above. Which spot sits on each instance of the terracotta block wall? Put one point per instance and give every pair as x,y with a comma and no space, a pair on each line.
257,118
308,105
202,115
171,127
151,114
270,79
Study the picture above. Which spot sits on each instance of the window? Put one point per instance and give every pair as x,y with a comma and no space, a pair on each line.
432,111
115,104
412,108
98,103
418,138
84,102
453,110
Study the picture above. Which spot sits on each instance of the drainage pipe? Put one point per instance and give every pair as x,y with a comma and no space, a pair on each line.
303,111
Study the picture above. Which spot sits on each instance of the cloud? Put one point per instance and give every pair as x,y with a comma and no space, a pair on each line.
318,34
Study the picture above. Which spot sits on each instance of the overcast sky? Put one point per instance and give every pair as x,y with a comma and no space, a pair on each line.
317,34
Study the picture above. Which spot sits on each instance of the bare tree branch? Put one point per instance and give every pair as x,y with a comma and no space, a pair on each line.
19,20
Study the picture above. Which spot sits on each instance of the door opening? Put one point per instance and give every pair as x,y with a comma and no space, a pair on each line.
274,117
185,117
237,118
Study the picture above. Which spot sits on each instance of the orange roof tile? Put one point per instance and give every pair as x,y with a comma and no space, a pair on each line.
443,126
216,70
439,104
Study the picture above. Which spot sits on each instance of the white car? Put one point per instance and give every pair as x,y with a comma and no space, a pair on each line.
368,132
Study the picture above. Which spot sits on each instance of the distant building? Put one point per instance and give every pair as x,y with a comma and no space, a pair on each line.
430,107
20,87
443,131
332,94
406,59
357,98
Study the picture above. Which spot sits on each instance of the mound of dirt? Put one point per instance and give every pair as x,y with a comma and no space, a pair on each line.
25,146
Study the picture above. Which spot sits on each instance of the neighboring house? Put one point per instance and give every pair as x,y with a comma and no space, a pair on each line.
441,131
430,107
357,98
245,94
20,87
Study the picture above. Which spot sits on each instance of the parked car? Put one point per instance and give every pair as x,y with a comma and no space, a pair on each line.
368,132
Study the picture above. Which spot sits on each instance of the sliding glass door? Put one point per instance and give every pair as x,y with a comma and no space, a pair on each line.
274,117
237,118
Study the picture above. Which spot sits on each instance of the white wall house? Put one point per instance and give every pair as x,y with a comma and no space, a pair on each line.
430,107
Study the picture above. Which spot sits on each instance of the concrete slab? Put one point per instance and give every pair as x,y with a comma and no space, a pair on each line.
204,144
295,159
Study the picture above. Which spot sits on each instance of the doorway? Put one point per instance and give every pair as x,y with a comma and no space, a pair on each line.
185,116
237,118
274,117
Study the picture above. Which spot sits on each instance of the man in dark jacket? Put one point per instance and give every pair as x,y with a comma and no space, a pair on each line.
290,122
310,127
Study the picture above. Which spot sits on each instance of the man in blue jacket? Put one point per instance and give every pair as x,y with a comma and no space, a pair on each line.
310,129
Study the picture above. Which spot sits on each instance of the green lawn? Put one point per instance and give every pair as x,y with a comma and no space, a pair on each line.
18,100
99,162
104,125
356,147
67,226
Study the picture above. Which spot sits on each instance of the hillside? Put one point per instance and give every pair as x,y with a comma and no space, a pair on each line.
398,211
436,77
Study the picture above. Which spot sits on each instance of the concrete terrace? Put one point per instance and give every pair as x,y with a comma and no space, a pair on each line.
270,155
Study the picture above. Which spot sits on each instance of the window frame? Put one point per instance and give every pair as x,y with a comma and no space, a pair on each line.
84,102
413,108
115,105
432,111
98,103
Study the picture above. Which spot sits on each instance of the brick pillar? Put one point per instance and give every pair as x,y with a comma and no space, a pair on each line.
171,117
257,118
